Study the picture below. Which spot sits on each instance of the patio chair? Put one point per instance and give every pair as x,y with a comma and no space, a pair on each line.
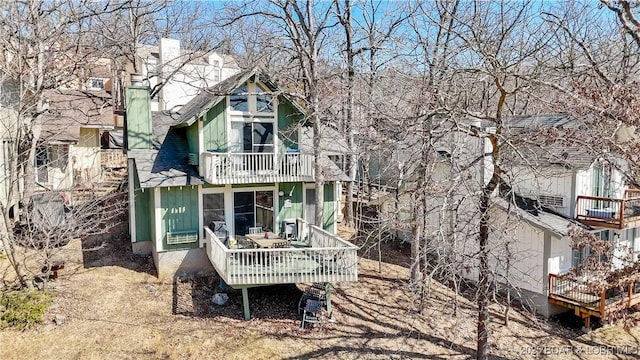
255,230
281,245
312,313
244,243
315,292
280,256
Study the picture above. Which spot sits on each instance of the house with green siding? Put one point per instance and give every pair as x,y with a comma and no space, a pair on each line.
229,161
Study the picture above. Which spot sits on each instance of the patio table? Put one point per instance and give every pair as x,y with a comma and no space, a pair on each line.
262,242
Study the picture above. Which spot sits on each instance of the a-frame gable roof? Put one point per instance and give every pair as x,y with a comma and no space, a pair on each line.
208,98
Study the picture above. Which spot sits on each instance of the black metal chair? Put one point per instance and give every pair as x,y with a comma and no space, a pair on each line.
220,229
315,292
312,313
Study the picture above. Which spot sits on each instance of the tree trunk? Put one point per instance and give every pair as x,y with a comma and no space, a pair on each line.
483,283
351,159
416,241
6,233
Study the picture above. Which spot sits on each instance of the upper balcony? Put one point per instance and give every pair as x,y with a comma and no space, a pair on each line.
608,212
252,168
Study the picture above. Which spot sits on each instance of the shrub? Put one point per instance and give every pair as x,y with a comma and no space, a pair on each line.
23,308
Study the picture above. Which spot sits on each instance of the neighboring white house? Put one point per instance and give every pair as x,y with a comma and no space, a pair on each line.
9,117
546,190
184,72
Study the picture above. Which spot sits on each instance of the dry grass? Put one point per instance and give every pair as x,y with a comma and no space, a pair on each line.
115,308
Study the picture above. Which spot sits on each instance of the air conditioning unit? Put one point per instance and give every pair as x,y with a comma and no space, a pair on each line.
182,237
555,201
194,159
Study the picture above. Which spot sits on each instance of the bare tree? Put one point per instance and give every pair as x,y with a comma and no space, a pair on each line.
303,26
44,45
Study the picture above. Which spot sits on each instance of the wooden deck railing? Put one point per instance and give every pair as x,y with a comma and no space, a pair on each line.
246,168
576,294
280,266
632,193
608,212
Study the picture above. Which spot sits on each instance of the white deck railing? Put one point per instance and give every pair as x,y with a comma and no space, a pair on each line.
280,266
247,168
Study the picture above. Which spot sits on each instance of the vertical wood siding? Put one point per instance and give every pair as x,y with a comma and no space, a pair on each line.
215,128
138,118
329,210
143,214
287,117
295,211
179,213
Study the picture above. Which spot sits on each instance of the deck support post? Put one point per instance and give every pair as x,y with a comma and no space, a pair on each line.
327,290
245,303
586,317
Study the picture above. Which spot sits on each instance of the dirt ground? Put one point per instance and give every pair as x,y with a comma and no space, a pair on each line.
110,305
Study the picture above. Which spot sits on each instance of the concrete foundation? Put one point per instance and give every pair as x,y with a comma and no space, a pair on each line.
538,303
144,248
181,262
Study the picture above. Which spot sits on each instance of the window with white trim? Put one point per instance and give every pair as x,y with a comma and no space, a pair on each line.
253,121
96,83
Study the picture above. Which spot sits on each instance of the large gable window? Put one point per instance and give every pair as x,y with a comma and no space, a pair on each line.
239,99
251,98
264,102
252,113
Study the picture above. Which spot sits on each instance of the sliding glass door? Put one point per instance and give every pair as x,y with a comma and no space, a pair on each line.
253,208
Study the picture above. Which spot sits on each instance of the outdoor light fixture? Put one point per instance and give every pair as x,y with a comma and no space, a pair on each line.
280,193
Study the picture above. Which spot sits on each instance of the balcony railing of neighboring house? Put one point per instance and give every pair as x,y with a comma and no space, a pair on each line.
328,259
608,212
113,158
578,295
248,168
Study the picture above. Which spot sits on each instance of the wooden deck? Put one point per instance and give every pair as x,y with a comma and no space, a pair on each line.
608,212
328,259
576,295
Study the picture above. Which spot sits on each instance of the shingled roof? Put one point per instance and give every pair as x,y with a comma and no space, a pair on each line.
69,110
166,166
549,151
543,218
